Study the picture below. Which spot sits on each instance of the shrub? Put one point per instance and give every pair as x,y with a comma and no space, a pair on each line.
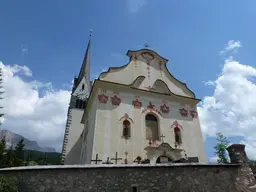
8,185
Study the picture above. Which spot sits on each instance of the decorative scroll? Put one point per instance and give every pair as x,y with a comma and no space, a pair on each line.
115,100
151,107
136,103
126,117
183,112
194,114
165,109
102,98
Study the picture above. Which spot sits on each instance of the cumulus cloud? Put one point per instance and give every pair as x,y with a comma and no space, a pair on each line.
231,47
36,117
134,6
231,109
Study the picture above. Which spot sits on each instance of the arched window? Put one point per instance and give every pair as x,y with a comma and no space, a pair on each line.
126,129
83,87
177,134
152,130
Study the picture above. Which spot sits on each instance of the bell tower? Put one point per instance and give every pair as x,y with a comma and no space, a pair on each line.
78,100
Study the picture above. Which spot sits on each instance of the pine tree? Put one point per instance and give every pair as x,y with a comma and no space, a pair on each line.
1,92
2,152
10,157
19,153
220,148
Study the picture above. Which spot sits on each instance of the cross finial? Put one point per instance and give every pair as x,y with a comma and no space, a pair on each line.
90,33
146,45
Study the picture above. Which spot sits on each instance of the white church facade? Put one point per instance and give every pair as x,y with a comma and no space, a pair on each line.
136,113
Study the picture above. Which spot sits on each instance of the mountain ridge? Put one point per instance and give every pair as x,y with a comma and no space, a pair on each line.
13,138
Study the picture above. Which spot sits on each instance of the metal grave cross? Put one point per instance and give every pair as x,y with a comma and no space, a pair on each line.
116,158
107,162
126,161
96,160
162,138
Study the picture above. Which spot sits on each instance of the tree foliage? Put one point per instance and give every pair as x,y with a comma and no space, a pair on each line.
220,148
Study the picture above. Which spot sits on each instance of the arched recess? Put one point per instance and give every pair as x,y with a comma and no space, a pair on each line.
177,136
126,132
152,127
163,159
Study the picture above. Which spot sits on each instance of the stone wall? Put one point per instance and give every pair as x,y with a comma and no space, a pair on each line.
159,178
184,177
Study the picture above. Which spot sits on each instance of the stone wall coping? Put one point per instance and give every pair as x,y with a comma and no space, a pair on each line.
93,166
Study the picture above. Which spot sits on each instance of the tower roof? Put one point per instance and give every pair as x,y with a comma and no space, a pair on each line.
85,68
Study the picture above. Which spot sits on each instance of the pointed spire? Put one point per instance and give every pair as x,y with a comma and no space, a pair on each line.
85,68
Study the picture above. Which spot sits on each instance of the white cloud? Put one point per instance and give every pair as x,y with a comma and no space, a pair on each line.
40,118
231,47
231,109
134,6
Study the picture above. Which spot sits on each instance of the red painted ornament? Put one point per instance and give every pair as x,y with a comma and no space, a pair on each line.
193,114
148,56
151,107
115,100
165,109
126,117
136,103
154,143
184,112
102,98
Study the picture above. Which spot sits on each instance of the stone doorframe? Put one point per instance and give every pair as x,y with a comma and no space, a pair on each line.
165,149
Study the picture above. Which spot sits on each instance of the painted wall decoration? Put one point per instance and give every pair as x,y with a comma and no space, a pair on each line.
136,103
151,107
183,112
115,100
126,117
194,114
160,68
135,61
148,56
165,109
153,143
102,98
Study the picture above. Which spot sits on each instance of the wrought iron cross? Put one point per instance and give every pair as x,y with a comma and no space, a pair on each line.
107,162
146,45
96,160
126,161
162,138
116,158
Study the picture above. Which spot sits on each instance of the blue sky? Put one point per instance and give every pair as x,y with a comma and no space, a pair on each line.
50,38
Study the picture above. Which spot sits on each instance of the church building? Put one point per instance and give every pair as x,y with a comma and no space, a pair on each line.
135,113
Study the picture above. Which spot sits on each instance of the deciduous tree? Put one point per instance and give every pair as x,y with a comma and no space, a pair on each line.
220,148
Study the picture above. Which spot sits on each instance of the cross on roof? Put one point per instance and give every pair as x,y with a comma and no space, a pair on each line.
162,138
146,45
116,158
96,160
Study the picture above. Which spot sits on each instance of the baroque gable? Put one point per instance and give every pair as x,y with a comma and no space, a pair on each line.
147,70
